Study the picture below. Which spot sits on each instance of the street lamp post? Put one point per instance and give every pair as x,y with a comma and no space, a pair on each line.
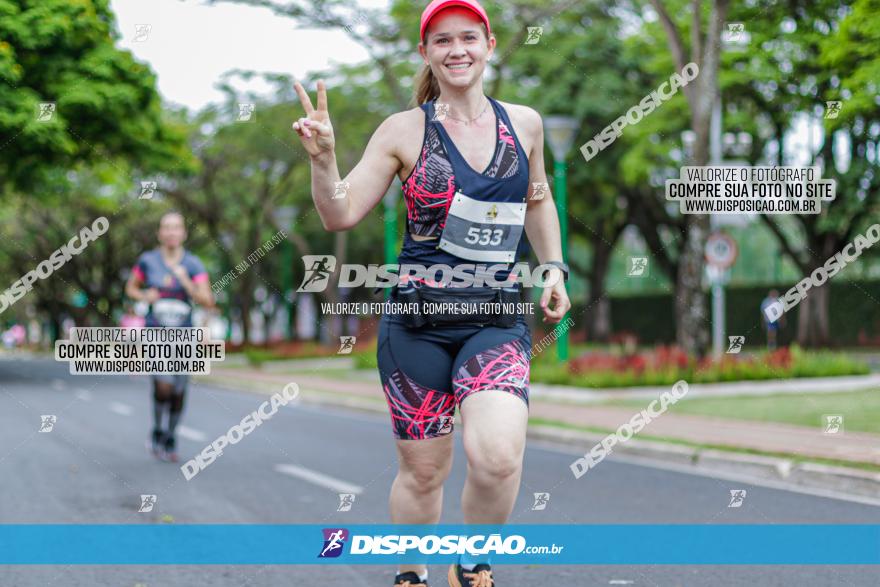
560,133
389,211
228,240
284,217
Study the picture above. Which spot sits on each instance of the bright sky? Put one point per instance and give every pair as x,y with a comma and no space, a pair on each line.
191,44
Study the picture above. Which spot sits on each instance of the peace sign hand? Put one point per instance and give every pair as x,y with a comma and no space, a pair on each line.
315,131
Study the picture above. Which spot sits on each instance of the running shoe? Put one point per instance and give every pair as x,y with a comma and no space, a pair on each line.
409,579
170,450
481,576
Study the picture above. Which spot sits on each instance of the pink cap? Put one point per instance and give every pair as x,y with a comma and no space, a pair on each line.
437,5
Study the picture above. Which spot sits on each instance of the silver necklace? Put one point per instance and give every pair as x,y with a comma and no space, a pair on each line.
468,122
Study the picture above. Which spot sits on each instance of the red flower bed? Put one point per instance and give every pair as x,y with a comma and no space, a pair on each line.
671,358
780,358
661,358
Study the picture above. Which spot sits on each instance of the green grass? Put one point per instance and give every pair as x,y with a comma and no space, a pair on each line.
860,409
793,457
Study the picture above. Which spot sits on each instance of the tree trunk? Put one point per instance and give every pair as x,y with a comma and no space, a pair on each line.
822,310
245,317
813,328
691,314
691,311
813,322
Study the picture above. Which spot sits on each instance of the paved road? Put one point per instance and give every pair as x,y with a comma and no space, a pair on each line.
93,467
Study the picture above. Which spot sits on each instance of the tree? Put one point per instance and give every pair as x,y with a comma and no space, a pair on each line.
69,96
705,50
823,51
248,170
575,69
32,233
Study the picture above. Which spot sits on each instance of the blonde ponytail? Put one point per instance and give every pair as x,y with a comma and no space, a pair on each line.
426,86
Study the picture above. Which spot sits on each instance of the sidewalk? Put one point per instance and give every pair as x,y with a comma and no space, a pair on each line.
545,405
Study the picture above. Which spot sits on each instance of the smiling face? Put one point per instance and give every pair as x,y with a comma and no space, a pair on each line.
456,47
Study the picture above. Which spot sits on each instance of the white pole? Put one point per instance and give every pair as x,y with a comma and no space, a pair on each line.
718,347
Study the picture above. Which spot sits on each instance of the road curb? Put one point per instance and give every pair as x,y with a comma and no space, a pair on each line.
837,478
806,474
760,466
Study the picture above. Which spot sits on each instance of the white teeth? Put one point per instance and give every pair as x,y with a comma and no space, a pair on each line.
459,66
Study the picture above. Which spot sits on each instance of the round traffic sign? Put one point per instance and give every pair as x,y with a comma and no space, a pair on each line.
721,250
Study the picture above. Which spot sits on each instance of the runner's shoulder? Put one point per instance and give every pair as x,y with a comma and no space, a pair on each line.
404,121
528,126
148,255
190,256
191,261
523,117
403,131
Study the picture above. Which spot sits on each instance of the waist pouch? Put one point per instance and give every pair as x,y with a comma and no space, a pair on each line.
440,305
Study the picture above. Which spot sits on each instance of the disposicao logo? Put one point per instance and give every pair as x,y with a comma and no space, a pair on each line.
334,541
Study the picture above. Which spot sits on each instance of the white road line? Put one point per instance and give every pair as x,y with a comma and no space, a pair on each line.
320,479
620,582
83,395
58,384
120,408
191,434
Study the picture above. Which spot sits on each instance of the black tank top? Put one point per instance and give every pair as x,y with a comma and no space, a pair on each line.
441,170
429,188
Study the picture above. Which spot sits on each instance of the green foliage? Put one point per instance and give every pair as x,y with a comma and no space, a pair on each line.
852,53
594,61
32,233
107,107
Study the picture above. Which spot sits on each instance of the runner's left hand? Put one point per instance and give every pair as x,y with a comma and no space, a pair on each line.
556,295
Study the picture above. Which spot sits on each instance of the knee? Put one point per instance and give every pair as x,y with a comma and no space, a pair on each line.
495,464
162,392
424,478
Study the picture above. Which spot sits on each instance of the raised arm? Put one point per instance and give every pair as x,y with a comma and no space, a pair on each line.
367,182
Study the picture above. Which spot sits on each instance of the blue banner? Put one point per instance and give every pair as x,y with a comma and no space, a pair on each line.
247,544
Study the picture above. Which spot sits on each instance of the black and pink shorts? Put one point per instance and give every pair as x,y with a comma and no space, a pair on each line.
426,372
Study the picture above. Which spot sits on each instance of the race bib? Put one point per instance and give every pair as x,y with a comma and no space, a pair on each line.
171,312
483,231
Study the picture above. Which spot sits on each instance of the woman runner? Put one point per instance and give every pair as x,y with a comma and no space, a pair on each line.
482,368
170,279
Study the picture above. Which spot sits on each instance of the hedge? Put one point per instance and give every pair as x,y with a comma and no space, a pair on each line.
854,306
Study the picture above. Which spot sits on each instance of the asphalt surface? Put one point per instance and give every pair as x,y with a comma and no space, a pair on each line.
93,466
